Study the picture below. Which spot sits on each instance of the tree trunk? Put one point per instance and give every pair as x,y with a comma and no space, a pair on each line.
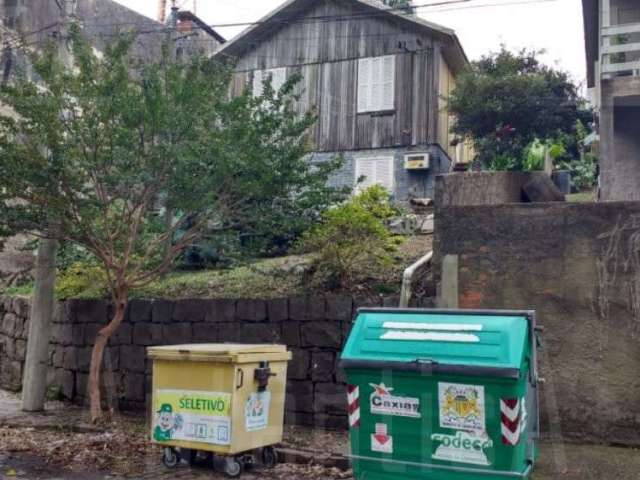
35,368
98,353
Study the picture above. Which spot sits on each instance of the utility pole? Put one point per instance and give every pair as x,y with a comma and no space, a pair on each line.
171,44
34,382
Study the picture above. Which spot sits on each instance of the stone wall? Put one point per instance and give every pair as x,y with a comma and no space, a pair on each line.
14,328
578,266
314,329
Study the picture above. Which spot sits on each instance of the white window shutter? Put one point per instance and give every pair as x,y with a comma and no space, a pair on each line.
365,167
257,83
278,77
364,84
377,171
376,83
384,172
388,83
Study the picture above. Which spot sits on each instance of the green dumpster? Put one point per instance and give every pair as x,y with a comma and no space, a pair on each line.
442,394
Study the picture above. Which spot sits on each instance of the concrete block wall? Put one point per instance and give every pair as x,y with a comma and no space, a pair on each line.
481,188
314,329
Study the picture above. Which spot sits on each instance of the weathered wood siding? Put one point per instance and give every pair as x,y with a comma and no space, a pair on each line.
446,120
327,53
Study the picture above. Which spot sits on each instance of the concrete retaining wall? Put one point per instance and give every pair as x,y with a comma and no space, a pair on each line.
313,328
481,188
578,266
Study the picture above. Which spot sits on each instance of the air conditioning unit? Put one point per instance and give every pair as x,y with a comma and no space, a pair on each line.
416,161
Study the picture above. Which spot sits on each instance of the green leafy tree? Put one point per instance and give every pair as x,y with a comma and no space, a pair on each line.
506,100
91,155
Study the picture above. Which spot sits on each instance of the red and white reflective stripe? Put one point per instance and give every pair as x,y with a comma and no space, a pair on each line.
514,420
353,398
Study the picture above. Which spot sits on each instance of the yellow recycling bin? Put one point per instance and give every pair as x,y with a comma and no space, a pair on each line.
219,403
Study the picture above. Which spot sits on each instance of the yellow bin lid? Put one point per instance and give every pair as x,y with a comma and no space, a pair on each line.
221,352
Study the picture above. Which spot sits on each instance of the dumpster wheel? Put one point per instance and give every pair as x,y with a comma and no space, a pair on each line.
232,467
170,457
269,457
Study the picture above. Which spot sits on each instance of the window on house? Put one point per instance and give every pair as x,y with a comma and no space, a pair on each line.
376,83
376,171
278,77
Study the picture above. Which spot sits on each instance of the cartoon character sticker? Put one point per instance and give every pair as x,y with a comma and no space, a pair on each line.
195,416
256,412
166,423
461,407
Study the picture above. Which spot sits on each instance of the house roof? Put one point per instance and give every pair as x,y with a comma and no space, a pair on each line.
453,52
591,24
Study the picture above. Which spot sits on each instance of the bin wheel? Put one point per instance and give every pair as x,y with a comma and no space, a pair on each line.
232,467
269,457
170,457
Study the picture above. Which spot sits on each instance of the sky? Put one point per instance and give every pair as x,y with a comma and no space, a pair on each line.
482,25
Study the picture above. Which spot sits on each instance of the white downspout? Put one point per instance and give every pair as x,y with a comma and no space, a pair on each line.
407,277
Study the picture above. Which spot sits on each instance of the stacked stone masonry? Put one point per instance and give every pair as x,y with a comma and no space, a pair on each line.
314,329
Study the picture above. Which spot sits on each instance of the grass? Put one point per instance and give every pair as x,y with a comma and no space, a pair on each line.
263,279
266,278
21,291
586,196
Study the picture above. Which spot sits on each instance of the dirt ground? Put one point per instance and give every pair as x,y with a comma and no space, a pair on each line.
35,454
61,445
583,463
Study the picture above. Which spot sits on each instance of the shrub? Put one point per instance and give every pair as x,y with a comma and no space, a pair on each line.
352,244
376,200
82,280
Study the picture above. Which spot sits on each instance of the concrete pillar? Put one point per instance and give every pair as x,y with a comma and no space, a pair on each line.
36,362
607,145
448,297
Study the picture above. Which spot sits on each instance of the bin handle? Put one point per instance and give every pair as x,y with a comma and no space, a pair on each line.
425,361
425,365
240,379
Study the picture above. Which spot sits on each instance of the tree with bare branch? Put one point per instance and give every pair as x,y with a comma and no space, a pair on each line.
95,154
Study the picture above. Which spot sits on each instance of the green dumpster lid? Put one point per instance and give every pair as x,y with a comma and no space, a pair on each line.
471,342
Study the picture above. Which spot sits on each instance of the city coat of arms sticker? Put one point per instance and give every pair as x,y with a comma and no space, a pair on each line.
461,407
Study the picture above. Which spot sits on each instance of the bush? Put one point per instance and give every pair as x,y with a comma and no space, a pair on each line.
82,280
352,243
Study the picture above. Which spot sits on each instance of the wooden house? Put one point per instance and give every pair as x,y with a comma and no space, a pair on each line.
378,79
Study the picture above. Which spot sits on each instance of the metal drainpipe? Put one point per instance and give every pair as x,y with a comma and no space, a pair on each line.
407,277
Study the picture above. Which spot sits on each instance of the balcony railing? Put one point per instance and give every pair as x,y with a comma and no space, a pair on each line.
621,50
